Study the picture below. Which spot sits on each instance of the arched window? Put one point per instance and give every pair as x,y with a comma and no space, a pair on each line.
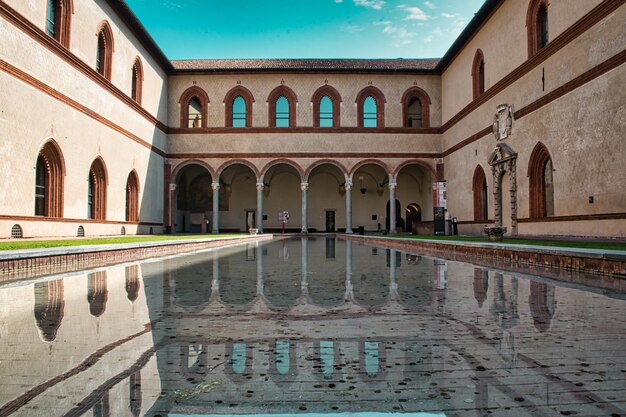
282,107
537,26
132,197
541,186
479,189
416,108
137,81
104,55
326,107
371,107
50,170
194,103
238,102
58,20
239,112
478,74
326,112
96,191
97,293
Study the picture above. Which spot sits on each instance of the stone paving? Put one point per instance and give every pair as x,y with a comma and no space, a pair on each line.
306,326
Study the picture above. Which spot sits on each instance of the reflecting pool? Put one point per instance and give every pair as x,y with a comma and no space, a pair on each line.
309,326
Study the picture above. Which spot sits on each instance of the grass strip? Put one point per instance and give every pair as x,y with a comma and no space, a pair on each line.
533,242
39,244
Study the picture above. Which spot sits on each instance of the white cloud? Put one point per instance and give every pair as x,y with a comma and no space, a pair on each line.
372,4
352,28
414,13
450,16
429,5
458,25
338,1
400,35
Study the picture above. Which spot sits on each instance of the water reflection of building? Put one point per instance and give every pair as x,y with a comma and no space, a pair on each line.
84,349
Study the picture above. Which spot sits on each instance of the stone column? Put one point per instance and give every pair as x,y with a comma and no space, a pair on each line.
259,204
392,204
216,206
304,186
348,186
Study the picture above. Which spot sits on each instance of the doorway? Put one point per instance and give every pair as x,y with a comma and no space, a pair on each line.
250,220
413,215
330,220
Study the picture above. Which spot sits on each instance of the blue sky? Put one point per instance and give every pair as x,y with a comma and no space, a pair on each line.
196,29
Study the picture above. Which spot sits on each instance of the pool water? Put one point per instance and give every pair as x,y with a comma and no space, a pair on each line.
309,326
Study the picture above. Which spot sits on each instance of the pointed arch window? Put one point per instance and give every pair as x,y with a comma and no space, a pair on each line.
104,54
541,184
326,107
96,191
282,107
194,103
416,108
58,20
238,103
537,26
137,81
478,74
371,107
49,173
479,189
132,197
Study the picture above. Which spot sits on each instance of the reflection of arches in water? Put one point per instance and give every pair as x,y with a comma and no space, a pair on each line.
542,304
413,215
505,305
283,361
327,357
49,308
240,361
372,358
191,287
97,293
132,282
481,285
193,361
135,394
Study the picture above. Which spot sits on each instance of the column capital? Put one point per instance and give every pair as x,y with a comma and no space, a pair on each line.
215,185
348,184
304,186
260,186
392,183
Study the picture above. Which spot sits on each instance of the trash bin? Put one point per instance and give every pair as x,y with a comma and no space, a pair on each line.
455,227
361,230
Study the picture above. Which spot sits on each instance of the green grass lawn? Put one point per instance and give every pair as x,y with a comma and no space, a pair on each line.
34,244
538,242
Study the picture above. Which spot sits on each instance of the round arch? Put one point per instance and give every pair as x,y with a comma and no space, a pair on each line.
247,163
292,99
419,162
188,162
364,162
246,94
275,162
321,162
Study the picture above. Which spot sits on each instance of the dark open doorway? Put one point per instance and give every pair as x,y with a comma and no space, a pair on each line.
413,215
330,220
